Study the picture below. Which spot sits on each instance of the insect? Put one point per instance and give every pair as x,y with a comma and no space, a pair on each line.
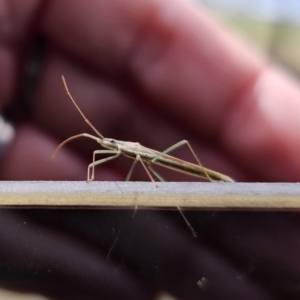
144,155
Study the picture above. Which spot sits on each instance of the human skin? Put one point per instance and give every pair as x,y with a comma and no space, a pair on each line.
154,72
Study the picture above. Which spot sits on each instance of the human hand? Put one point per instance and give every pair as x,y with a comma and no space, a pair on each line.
155,73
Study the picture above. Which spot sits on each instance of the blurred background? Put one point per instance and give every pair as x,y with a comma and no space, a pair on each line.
272,25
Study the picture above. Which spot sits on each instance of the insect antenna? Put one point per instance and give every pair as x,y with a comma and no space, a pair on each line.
82,114
74,137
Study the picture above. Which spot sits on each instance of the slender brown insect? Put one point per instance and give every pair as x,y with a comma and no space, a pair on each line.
145,155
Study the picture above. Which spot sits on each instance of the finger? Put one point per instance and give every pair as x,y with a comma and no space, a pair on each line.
170,253
192,68
172,51
40,258
29,158
115,114
264,126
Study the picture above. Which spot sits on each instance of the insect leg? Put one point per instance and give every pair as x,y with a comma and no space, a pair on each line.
138,158
100,161
131,170
194,233
159,177
178,145
146,169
